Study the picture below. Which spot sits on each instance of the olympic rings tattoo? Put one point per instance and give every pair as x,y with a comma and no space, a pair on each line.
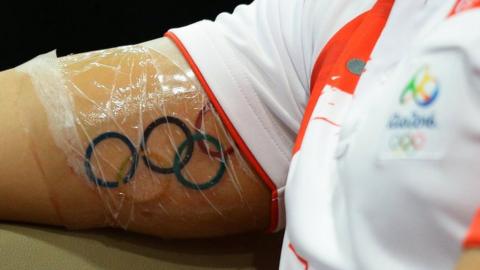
201,144
185,149
133,158
148,132
177,163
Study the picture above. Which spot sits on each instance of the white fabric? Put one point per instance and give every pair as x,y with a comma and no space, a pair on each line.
359,196
258,64
412,210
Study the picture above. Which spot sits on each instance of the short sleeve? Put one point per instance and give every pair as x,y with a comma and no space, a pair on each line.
252,66
254,69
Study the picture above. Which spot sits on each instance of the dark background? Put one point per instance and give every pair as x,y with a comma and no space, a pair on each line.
30,28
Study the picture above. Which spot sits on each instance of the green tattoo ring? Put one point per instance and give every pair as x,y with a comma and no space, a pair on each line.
177,163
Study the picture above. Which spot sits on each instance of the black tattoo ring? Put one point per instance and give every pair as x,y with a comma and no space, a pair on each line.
177,169
88,155
189,148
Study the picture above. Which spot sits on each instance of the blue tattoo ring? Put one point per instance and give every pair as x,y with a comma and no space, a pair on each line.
89,152
177,164
188,144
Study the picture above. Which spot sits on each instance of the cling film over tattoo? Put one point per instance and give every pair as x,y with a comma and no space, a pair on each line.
140,134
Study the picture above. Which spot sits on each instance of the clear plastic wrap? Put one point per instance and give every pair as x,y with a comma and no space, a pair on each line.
144,144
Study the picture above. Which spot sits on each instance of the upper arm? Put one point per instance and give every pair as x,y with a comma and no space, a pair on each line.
126,137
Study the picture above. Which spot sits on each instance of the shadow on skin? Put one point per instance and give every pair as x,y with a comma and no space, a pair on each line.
113,249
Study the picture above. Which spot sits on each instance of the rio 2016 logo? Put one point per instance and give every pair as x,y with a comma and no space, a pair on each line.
423,89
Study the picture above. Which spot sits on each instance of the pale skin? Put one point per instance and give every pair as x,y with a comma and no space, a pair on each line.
469,260
38,185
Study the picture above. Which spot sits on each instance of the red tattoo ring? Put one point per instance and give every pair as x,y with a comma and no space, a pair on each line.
201,143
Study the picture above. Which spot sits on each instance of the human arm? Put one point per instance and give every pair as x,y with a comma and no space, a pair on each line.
253,75
124,90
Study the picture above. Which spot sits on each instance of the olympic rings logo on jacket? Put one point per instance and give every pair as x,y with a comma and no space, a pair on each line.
407,143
